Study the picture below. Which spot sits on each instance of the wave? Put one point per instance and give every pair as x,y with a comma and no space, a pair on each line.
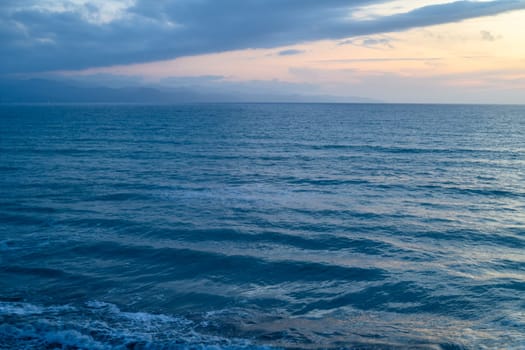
5,246
411,150
225,267
103,326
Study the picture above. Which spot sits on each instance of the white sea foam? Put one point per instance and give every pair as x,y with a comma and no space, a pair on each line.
31,337
102,326
21,309
142,320
73,338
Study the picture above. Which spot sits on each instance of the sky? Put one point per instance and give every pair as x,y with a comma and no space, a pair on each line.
395,51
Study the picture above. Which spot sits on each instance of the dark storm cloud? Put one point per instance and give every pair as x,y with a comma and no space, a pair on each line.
36,39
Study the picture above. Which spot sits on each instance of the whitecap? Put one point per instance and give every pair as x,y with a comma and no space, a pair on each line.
100,325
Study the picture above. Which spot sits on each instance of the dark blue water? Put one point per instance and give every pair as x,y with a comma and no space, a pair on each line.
261,225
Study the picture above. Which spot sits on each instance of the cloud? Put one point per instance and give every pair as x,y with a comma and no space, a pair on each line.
43,35
503,86
370,42
384,59
488,36
290,52
375,42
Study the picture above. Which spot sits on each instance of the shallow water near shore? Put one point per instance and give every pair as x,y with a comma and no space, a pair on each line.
242,226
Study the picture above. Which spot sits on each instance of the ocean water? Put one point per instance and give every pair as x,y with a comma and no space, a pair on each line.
260,226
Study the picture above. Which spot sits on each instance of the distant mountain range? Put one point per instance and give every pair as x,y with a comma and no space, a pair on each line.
50,91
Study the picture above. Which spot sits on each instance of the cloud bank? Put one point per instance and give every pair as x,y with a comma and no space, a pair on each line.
46,35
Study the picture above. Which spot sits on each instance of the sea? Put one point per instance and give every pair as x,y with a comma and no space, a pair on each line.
262,226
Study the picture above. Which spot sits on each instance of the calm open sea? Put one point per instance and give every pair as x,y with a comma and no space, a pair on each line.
240,226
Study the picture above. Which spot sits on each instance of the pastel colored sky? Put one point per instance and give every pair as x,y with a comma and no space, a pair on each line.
397,51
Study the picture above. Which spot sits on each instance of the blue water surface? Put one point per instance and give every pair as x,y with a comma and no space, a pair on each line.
239,226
